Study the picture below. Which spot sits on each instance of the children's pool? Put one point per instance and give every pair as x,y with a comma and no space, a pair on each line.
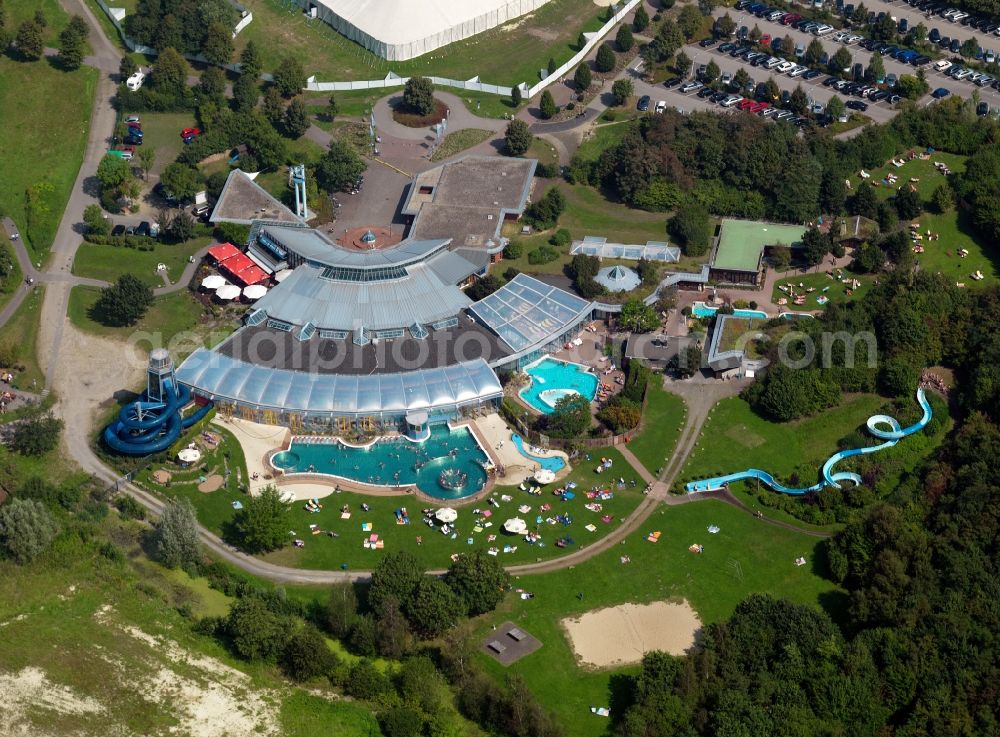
550,463
448,465
700,309
551,380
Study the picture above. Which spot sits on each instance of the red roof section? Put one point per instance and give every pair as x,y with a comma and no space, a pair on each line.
237,263
253,275
223,251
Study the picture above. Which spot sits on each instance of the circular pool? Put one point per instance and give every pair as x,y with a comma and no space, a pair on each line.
285,460
551,396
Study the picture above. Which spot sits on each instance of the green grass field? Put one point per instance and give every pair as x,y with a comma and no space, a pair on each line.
11,282
22,331
836,291
324,552
110,262
455,143
941,256
497,56
744,557
601,138
162,133
663,417
921,169
735,438
170,314
32,159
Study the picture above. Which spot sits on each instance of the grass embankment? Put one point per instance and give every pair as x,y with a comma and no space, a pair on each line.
455,143
110,262
34,97
662,420
170,315
21,331
10,283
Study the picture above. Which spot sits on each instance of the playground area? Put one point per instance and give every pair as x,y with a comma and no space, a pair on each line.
621,635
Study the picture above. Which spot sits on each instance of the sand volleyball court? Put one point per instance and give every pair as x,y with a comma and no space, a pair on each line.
621,635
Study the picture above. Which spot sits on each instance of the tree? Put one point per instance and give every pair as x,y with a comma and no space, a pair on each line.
604,62
296,120
545,213
551,68
182,180
127,67
637,317
682,63
912,87
396,575
668,40
725,26
756,34
262,524
251,64
245,93
518,137
570,418
640,21
332,109
170,73
582,78
27,528
813,52
256,632
622,90
30,44
147,157
339,168
289,77
432,608
306,655
418,96
71,48
689,21
624,39
968,48
36,435
772,92
908,203
168,34
943,198
740,79
799,101
875,72
124,302
686,363
341,610
815,246
218,45
175,540
181,227
835,107
479,580
212,84
864,202
620,414
711,72
93,218
547,105
515,96
691,228
365,681
401,721
840,62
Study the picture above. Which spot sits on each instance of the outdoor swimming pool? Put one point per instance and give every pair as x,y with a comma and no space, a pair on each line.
448,465
551,380
700,309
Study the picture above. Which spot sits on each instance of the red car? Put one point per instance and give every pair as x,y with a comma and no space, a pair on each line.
758,107
745,104
791,18
190,133
765,40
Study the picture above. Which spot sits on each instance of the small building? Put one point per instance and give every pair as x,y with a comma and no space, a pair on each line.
739,252
732,349
618,278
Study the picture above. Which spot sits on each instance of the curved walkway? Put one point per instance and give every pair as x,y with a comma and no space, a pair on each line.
459,117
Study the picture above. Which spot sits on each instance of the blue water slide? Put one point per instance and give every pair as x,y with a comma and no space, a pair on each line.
144,427
876,426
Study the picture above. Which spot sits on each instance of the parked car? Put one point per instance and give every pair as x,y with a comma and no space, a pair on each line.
940,93
143,229
118,230
661,105
643,104
706,42
686,87
132,119
672,82
983,109
856,105
134,83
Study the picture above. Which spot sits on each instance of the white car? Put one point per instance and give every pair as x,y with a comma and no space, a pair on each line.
772,62
823,30
942,66
135,81
798,71
731,100
661,105
132,119
785,66
853,39
839,36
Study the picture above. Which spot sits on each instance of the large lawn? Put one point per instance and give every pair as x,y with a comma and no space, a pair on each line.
161,132
170,315
735,438
22,331
743,557
836,290
110,262
34,97
504,57
600,138
922,170
941,256
662,420
324,552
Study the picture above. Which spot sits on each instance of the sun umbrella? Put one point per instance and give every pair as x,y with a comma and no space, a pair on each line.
516,526
227,292
189,455
446,515
282,275
544,476
213,282
254,291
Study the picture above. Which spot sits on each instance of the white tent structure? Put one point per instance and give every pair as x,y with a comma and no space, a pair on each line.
189,455
544,476
515,526
227,292
213,282
254,291
403,29
446,515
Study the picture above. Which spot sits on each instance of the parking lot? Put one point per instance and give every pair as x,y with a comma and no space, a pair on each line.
947,28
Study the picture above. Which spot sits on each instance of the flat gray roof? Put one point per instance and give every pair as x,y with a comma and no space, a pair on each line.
313,245
242,201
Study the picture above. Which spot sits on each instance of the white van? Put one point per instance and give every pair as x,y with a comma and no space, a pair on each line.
135,81
942,66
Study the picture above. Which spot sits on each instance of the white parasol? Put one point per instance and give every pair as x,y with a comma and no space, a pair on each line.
228,292
189,455
544,476
446,515
516,526
213,282
254,291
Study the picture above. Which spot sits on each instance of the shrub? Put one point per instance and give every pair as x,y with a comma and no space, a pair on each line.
560,238
514,249
544,254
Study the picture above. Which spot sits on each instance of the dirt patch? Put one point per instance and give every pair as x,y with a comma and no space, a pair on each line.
29,692
210,484
161,476
623,634
411,120
542,33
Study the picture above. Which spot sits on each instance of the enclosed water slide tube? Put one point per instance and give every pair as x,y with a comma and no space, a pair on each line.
144,427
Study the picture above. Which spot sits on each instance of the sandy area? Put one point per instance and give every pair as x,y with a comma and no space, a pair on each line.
210,484
161,476
623,634
257,441
29,692
494,430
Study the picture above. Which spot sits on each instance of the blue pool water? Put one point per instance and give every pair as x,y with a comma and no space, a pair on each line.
396,460
700,309
551,380
552,463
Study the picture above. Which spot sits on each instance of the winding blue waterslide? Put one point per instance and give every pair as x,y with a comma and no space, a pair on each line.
145,426
877,425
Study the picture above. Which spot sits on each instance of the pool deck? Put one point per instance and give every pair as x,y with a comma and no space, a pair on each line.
257,441
494,435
